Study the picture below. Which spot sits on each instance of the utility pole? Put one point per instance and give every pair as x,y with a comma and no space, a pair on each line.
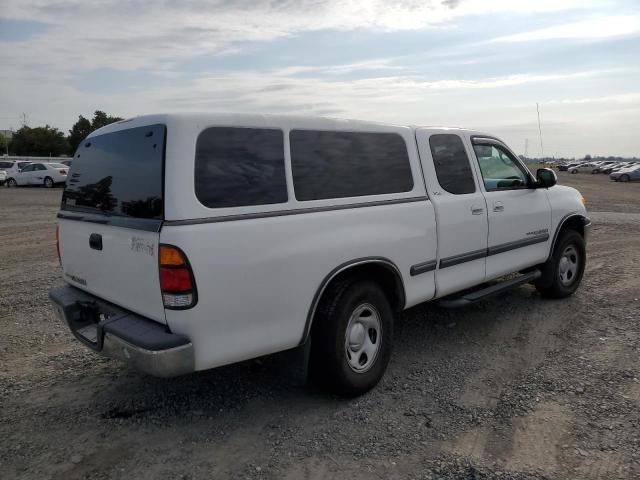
526,147
540,130
24,119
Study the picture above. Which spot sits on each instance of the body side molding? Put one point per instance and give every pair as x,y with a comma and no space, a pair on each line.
385,262
465,257
423,267
295,211
525,242
495,250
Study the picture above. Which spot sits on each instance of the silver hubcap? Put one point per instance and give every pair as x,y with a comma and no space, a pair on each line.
569,263
363,338
48,182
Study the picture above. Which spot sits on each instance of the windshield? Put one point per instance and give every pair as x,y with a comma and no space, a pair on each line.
118,173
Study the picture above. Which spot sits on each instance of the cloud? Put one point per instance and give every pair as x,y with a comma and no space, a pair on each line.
146,34
603,27
621,98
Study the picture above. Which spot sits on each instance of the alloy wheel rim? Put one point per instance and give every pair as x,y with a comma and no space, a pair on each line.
363,338
568,266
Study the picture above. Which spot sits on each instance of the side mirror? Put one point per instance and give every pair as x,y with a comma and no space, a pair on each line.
546,178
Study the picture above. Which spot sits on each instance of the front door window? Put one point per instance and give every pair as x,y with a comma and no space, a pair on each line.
500,171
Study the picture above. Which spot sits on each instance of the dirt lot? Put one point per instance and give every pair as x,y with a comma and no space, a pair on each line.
514,387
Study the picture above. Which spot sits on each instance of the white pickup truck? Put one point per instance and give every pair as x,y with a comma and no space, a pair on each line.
193,241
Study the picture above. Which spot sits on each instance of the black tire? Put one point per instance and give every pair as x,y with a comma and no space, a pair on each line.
329,361
573,171
624,178
11,183
553,283
48,182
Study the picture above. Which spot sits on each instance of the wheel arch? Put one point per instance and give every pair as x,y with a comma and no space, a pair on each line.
379,269
572,221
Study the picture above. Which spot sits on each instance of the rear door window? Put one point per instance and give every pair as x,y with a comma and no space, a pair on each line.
237,167
452,164
118,173
333,164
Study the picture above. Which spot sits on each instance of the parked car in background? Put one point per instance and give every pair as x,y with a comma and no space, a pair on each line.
584,168
12,166
622,166
39,174
626,174
569,166
602,165
609,168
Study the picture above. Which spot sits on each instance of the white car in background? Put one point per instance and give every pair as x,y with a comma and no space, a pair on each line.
39,173
12,166
584,168
3,177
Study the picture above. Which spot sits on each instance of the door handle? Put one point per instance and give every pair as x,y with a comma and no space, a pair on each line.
498,207
476,210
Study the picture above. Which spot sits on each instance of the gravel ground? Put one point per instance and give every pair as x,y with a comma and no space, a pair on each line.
515,387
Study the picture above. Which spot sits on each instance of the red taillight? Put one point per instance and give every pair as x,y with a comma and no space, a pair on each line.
58,243
176,279
63,172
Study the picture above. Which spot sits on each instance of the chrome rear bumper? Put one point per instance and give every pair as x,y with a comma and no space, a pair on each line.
117,333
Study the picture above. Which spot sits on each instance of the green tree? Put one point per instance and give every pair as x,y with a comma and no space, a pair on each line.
3,144
40,141
100,119
83,127
78,132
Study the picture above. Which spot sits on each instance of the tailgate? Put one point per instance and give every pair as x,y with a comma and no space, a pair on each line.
114,263
111,215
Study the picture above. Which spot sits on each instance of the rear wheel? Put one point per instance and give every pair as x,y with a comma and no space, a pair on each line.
351,337
562,273
48,182
573,171
624,178
11,183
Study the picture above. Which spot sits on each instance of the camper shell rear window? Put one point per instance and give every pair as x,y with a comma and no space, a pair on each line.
119,174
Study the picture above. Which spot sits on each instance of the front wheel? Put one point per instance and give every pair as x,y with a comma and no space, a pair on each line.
11,183
562,273
574,171
624,178
351,337
48,182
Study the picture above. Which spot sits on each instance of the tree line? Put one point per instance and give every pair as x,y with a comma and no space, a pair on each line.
48,141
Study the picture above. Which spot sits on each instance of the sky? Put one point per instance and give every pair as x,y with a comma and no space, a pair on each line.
479,64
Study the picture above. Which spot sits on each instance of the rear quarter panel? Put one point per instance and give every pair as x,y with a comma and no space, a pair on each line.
257,278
